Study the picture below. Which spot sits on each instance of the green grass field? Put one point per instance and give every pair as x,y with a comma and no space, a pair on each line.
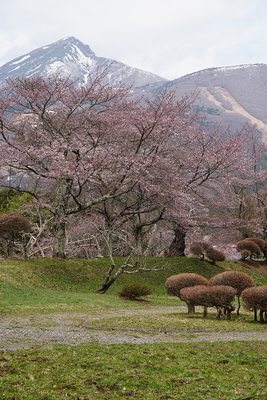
218,370
234,371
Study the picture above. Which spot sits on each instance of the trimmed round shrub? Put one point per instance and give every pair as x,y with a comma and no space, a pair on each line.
11,222
175,283
218,296
261,243
215,255
245,254
236,279
249,245
133,291
206,246
255,298
196,249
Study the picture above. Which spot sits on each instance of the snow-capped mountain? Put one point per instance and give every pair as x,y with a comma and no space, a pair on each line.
69,56
231,96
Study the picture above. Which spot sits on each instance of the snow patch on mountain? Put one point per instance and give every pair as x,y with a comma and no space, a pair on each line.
69,56
21,60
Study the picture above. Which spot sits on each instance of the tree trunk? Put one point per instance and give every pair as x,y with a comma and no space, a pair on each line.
177,247
255,314
110,278
228,313
239,305
10,245
191,308
262,320
59,223
59,240
139,245
106,285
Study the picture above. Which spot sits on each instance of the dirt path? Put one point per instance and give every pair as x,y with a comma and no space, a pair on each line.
39,331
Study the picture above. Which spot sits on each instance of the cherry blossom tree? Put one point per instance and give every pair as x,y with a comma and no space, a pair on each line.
135,161
61,141
249,193
195,170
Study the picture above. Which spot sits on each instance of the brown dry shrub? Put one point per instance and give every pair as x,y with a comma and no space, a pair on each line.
175,283
245,254
215,255
260,242
236,279
199,248
13,222
206,245
196,249
250,246
209,296
255,298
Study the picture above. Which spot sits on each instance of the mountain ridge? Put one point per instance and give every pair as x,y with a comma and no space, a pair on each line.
69,56
231,96
237,93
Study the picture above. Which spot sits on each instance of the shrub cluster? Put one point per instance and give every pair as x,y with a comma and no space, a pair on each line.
218,296
217,292
132,291
202,249
252,248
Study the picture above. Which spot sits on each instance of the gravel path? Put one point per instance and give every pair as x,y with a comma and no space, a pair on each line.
40,331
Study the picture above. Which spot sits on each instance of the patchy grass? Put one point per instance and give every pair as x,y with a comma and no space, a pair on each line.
181,321
221,371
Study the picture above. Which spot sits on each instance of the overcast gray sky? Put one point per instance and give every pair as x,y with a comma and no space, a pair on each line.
169,38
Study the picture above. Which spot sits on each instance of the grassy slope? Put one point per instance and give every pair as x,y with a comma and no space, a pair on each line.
27,285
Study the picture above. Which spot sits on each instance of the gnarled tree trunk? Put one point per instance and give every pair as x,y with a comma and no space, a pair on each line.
177,247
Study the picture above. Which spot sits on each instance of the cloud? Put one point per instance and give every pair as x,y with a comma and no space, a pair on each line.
169,38
9,43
